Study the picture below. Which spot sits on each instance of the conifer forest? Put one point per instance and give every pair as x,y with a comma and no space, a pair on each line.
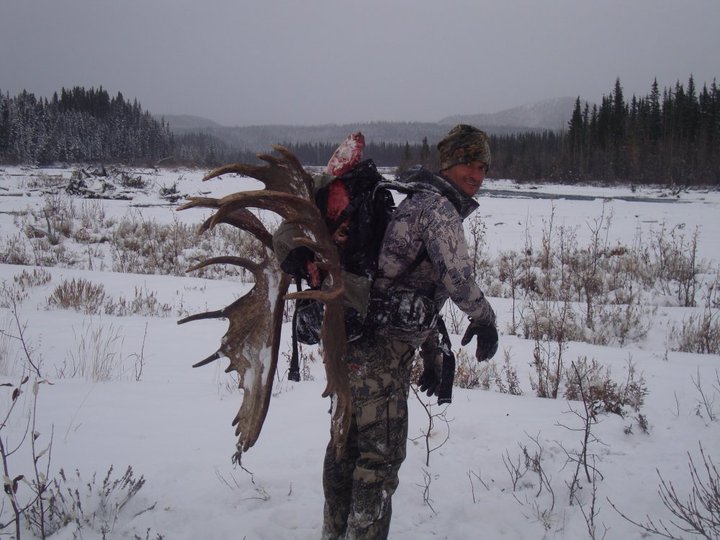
669,136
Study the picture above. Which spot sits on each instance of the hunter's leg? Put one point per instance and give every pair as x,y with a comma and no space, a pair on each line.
337,486
380,390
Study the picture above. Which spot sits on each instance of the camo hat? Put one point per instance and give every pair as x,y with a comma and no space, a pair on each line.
464,144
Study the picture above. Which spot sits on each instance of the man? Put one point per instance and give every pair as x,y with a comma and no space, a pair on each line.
423,261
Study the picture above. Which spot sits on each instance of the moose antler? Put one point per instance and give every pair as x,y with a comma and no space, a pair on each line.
253,338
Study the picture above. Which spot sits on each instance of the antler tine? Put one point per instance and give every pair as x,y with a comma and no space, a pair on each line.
296,167
199,202
255,268
217,314
214,356
243,262
244,220
279,202
243,169
284,174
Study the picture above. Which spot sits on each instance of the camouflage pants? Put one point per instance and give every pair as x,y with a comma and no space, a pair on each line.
359,485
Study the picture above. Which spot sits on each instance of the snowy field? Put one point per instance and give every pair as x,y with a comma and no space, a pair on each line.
171,423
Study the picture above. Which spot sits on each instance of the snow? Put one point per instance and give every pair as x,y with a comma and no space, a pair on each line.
173,425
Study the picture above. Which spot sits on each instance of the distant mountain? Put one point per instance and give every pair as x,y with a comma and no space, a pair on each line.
259,137
551,114
546,115
181,123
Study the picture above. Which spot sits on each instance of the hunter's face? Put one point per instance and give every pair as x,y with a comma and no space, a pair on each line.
468,177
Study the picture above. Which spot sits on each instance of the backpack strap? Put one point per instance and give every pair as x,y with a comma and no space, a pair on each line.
294,371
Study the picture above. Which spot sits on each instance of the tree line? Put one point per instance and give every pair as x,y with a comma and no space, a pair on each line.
79,125
670,136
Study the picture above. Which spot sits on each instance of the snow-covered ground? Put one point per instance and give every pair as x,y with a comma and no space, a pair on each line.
172,426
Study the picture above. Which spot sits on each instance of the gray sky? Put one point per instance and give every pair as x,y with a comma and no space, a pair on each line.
243,62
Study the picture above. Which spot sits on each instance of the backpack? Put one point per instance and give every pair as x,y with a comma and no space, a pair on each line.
356,210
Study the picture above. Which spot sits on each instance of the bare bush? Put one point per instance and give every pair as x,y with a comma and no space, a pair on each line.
6,349
144,302
509,273
618,324
92,215
696,513
699,333
44,181
143,246
706,403
454,318
468,373
428,433
58,215
15,332
613,282
550,330
35,278
97,355
12,295
584,265
80,295
591,383
24,492
509,383
15,249
677,267
88,505
528,464
478,231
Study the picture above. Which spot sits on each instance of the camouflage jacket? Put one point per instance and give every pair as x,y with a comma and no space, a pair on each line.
425,253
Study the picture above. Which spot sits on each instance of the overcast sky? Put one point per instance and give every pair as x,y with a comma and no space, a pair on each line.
244,62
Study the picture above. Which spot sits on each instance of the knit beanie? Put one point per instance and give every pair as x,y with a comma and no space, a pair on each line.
463,144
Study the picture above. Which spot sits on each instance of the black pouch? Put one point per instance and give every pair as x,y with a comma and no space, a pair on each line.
308,320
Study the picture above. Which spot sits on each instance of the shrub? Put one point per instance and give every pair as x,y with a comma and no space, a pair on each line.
621,323
696,513
143,303
34,278
97,356
145,247
14,250
508,383
468,372
92,215
80,295
591,382
12,295
81,505
700,333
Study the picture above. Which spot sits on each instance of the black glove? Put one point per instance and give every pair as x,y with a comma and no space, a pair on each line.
429,381
487,339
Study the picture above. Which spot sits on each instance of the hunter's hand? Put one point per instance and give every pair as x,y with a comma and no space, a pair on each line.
487,339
